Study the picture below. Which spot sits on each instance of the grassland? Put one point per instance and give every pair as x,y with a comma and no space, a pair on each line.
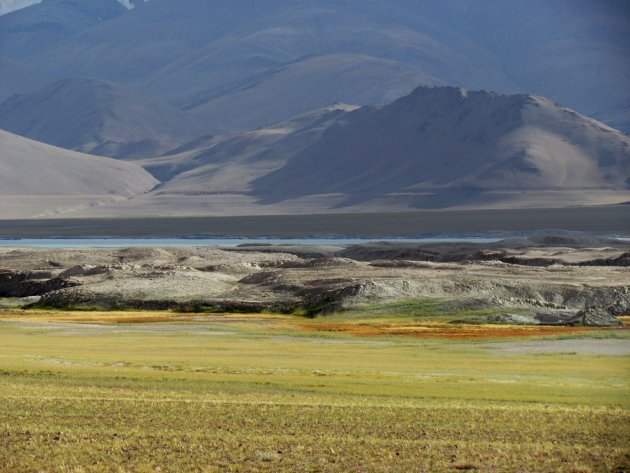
388,391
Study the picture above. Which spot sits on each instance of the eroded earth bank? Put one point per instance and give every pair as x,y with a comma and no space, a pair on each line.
543,280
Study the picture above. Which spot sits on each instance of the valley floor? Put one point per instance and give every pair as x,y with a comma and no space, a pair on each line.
162,391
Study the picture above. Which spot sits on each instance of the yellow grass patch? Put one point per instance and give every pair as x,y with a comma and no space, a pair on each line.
271,393
127,317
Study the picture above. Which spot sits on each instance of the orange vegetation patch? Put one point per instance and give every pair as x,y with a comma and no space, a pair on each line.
444,330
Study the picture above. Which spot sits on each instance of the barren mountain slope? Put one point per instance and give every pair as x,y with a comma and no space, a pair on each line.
213,175
306,85
436,148
35,29
228,163
98,117
15,78
37,178
444,146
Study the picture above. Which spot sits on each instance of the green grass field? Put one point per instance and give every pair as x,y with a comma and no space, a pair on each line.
96,392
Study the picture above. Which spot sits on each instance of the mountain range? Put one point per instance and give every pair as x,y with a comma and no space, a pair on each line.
438,147
575,52
237,105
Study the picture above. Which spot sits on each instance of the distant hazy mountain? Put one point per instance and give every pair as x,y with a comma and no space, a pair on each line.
39,27
16,78
417,36
576,52
9,6
36,178
356,78
134,46
98,117
213,175
441,147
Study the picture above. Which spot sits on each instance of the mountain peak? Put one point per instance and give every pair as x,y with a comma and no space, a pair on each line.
439,143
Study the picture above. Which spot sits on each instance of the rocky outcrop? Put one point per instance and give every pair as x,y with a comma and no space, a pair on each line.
591,317
378,253
594,317
623,261
31,283
80,299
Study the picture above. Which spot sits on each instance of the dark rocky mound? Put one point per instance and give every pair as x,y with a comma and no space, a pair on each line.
590,317
594,317
31,283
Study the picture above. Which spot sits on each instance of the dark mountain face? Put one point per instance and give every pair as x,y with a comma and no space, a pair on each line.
16,78
39,27
576,52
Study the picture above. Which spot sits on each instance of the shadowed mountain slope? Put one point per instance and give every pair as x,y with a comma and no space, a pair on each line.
416,37
98,117
356,79
38,27
575,52
134,46
228,163
16,78
442,147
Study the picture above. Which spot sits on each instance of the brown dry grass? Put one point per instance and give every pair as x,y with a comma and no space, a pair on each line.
373,328
443,330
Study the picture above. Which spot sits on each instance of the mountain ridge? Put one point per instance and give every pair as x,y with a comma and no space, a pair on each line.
456,139
436,148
